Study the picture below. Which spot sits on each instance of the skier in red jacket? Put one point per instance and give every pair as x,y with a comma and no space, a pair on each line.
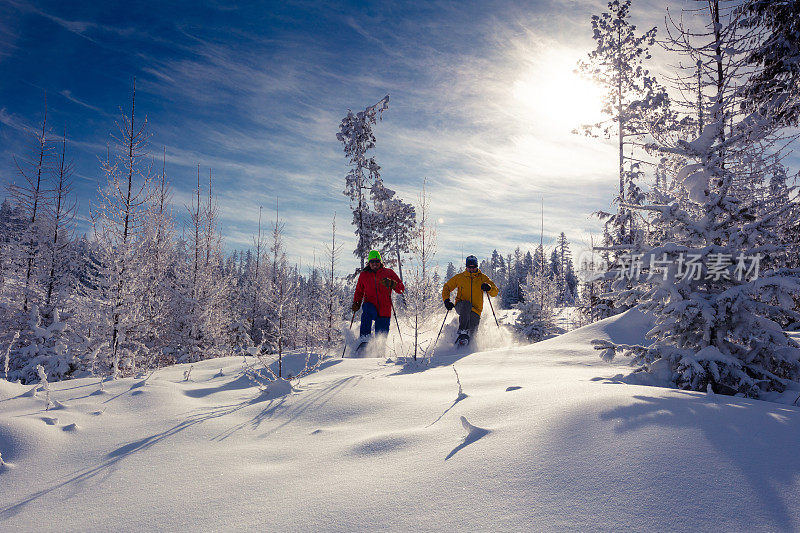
374,287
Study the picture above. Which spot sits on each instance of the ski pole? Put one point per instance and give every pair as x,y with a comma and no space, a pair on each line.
495,316
441,328
395,319
344,348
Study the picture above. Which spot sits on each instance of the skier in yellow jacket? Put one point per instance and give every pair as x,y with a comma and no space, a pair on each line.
469,286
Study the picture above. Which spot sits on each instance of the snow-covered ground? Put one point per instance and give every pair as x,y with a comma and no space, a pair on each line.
538,437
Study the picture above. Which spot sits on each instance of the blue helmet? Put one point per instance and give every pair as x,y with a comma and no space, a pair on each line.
472,261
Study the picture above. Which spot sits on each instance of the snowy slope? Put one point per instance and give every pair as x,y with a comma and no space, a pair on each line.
542,438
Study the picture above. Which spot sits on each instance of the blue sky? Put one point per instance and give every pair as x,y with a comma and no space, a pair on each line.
482,101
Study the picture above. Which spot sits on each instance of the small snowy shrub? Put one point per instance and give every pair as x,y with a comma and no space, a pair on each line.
535,319
47,341
44,385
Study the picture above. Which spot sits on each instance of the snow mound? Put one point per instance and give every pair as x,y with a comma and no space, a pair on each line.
629,327
11,390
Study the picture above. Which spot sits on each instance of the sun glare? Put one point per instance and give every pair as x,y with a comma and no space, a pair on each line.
552,95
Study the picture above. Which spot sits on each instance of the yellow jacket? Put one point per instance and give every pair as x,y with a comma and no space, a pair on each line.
469,288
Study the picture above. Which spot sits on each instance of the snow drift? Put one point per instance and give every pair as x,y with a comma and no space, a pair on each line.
534,437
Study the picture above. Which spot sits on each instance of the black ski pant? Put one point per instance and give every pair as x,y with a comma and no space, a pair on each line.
467,318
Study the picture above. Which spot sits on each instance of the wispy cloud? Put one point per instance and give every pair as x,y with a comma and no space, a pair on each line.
66,93
257,94
14,121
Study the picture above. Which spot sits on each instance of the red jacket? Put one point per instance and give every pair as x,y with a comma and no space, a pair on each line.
370,289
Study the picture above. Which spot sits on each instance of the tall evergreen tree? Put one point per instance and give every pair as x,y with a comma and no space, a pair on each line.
356,135
774,89
718,292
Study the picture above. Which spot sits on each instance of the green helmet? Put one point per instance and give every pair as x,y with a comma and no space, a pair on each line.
374,254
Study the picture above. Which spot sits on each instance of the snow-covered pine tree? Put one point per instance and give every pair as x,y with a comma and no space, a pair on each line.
571,279
217,285
356,135
510,293
160,300
12,227
204,316
634,102
119,221
718,292
521,270
239,329
774,89
593,304
545,291
500,271
537,268
565,275
47,337
312,307
53,346
535,318
527,266
495,266
396,227
554,270
451,270
587,290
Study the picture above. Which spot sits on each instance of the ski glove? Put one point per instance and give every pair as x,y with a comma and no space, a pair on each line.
356,306
448,304
388,283
486,287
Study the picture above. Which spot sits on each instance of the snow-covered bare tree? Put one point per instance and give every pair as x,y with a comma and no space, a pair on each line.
60,215
333,301
252,286
421,294
283,289
30,195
